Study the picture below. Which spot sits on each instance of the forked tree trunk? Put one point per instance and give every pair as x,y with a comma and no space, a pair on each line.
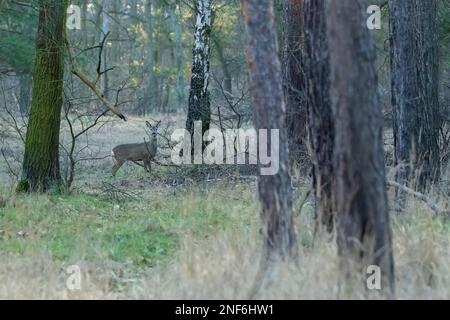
415,93
320,115
363,231
269,113
294,86
199,98
41,161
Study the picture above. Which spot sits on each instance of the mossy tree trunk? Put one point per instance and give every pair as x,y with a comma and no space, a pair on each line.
41,161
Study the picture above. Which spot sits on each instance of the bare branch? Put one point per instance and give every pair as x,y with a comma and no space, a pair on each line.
92,84
433,206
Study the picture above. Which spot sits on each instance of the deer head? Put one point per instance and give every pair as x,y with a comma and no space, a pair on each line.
153,130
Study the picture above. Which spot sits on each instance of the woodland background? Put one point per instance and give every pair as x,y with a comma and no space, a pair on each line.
195,232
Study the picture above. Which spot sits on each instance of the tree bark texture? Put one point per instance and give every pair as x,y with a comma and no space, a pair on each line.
199,97
320,115
269,110
294,86
415,90
41,161
363,231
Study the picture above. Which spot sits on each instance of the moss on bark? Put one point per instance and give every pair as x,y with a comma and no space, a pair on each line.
41,161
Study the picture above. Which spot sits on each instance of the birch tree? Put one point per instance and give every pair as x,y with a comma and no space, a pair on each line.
199,97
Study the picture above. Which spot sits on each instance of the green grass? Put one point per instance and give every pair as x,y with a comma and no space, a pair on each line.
142,233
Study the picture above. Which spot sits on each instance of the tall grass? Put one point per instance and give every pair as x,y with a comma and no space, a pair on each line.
173,238
199,243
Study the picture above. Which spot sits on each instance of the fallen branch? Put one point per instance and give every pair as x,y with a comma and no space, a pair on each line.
433,206
92,84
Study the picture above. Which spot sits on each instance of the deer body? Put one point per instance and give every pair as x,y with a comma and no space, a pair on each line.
137,152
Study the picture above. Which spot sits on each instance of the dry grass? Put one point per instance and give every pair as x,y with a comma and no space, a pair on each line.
223,264
218,246
224,268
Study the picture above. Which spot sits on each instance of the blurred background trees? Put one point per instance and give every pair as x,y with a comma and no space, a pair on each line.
149,44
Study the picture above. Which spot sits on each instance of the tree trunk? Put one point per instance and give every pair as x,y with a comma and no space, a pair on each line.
25,83
115,32
227,77
150,84
97,21
275,191
199,98
105,61
294,87
178,54
84,20
132,45
41,161
363,231
320,115
415,95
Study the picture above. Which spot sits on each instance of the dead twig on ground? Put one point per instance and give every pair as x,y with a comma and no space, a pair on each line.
433,206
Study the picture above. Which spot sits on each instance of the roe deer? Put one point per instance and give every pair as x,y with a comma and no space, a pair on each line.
144,152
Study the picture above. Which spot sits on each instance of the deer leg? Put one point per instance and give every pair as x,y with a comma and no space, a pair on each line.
147,165
116,167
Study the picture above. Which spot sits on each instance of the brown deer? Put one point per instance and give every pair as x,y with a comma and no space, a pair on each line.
144,152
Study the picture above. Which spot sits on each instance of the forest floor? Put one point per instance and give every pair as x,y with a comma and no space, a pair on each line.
165,235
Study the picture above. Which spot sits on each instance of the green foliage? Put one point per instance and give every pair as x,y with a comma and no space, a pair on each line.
22,186
17,51
18,28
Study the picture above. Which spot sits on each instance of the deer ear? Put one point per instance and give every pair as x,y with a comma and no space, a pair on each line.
158,124
148,124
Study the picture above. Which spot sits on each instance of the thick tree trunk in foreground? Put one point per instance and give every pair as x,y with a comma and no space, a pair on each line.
199,99
294,87
415,96
269,113
41,162
320,114
363,231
